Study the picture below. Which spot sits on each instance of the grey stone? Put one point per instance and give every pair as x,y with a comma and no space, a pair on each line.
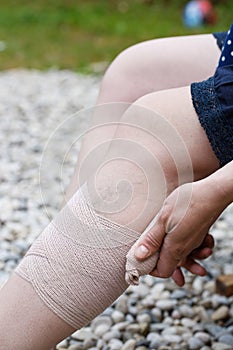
108,311
154,338
129,318
117,316
142,342
213,329
229,322
187,322
141,318
205,337
144,328
179,294
100,344
142,290
83,334
115,344
172,338
122,305
176,314
157,290
165,347
219,300
133,328
77,346
63,344
195,343
186,311
89,343
166,305
221,313
224,331
111,334
133,310
226,339
221,346
198,285
157,313
101,320
120,326
156,327
129,344
101,329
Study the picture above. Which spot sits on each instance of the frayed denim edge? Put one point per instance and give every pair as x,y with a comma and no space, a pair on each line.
212,119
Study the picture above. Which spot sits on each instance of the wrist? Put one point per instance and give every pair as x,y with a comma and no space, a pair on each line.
221,185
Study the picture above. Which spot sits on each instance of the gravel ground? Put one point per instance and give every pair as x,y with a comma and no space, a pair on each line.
155,315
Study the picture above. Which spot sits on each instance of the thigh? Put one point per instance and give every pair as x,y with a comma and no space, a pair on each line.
157,65
175,107
143,69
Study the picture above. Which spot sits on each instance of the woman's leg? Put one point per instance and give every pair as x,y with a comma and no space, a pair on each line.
25,321
159,64
145,68
100,284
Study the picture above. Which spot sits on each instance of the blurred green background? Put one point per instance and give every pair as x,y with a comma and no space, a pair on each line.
75,34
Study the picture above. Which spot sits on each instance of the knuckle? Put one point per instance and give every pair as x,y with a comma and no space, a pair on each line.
179,253
163,215
165,212
152,241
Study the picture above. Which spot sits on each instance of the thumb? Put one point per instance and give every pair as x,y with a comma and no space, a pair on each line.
151,240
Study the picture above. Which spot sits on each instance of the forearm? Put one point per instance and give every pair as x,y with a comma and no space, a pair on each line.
222,182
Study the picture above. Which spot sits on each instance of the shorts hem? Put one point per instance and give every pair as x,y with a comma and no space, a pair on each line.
218,130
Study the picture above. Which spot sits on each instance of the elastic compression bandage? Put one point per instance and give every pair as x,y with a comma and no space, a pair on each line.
76,266
135,268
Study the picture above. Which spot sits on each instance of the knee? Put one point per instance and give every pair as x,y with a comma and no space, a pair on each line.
131,74
148,124
119,81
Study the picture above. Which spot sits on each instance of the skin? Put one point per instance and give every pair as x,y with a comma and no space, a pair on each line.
22,312
180,228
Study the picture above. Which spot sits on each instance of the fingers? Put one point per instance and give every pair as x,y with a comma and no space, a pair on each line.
168,261
194,267
201,254
178,277
189,264
208,241
205,249
151,242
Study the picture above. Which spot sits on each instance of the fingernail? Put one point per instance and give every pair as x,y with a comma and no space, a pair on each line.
141,252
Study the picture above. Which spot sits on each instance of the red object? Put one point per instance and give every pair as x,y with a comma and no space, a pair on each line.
208,11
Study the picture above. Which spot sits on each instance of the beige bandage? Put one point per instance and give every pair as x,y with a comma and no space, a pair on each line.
135,268
77,264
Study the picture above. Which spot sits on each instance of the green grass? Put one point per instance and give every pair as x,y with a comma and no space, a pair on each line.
72,34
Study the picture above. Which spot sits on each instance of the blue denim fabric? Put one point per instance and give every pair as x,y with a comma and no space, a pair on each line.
220,37
223,82
213,101
212,118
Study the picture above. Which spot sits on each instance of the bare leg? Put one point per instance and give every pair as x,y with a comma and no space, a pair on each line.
18,298
159,64
148,67
25,322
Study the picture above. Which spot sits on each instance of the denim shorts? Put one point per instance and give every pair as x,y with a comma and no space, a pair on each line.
213,102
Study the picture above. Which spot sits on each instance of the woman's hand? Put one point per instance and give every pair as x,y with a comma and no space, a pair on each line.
180,232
